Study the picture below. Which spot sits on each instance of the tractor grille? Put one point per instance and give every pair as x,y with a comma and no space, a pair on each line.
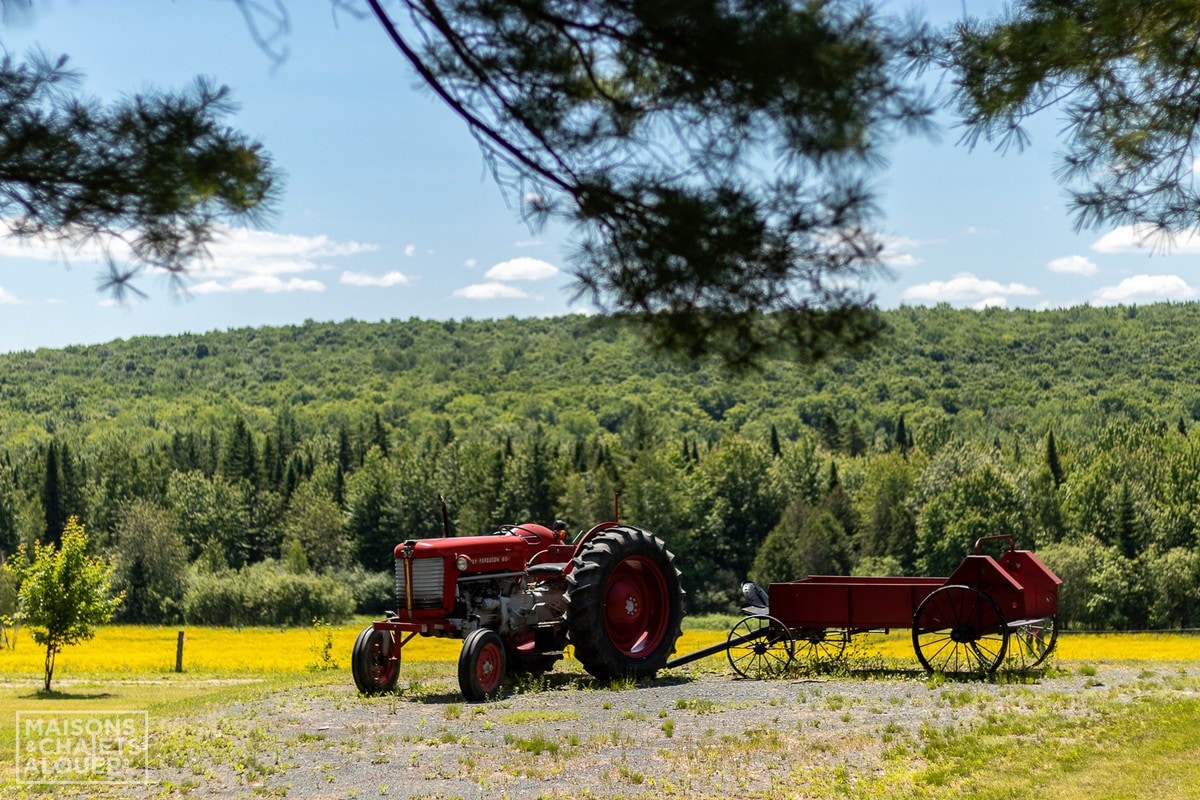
427,575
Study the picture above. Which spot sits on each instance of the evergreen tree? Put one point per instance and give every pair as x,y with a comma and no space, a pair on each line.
9,534
339,485
890,524
831,434
805,542
379,435
345,453
1056,470
1128,529
855,444
239,457
272,463
371,494
52,501
71,489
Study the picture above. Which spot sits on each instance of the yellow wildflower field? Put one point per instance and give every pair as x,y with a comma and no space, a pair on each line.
136,649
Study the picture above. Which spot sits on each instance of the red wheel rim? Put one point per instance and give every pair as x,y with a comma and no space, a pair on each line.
636,605
380,665
487,668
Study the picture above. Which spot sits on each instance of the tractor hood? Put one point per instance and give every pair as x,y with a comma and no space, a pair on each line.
506,550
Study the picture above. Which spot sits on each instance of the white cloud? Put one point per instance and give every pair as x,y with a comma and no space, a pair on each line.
522,269
900,259
1140,238
966,288
493,291
410,250
243,260
238,259
990,302
270,284
528,243
51,250
392,278
1145,288
893,251
7,298
248,243
470,263
900,241
1073,265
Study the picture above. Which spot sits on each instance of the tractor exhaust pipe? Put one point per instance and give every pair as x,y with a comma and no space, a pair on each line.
445,517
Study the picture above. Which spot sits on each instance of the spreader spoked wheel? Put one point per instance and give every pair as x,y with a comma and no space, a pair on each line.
375,661
760,646
819,645
1029,643
481,665
959,630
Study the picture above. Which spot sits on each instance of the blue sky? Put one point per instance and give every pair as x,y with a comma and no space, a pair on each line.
389,211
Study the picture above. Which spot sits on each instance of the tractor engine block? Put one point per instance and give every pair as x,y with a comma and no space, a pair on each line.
508,604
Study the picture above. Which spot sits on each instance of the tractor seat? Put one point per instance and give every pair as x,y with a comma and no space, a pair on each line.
548,571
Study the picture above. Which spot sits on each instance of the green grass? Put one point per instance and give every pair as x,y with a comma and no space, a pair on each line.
1144,749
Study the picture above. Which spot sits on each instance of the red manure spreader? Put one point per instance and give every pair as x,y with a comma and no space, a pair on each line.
967,624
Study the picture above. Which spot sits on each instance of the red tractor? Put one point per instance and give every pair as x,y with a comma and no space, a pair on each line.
519,596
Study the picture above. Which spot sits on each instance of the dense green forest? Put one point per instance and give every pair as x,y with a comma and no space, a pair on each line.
263,475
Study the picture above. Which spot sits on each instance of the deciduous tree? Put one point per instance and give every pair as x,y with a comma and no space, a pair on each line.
65,594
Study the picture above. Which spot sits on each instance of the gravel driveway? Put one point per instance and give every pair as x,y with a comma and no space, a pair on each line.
687,734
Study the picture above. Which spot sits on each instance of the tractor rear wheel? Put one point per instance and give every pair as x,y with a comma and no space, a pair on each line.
624,604
375,661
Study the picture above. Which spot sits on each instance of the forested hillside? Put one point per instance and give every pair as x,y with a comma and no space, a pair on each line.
228,470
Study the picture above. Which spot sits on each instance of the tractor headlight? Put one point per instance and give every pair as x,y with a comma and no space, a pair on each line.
463,563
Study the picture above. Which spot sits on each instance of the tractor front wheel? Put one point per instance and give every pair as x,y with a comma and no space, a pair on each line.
481,665
624,604
375,661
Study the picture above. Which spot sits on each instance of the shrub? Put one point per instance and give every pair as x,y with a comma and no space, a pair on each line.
374,592
265,594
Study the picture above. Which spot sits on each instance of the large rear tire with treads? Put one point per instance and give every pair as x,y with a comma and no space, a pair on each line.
624,604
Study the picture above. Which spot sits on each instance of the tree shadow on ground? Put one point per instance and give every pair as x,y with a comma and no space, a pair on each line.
56,695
